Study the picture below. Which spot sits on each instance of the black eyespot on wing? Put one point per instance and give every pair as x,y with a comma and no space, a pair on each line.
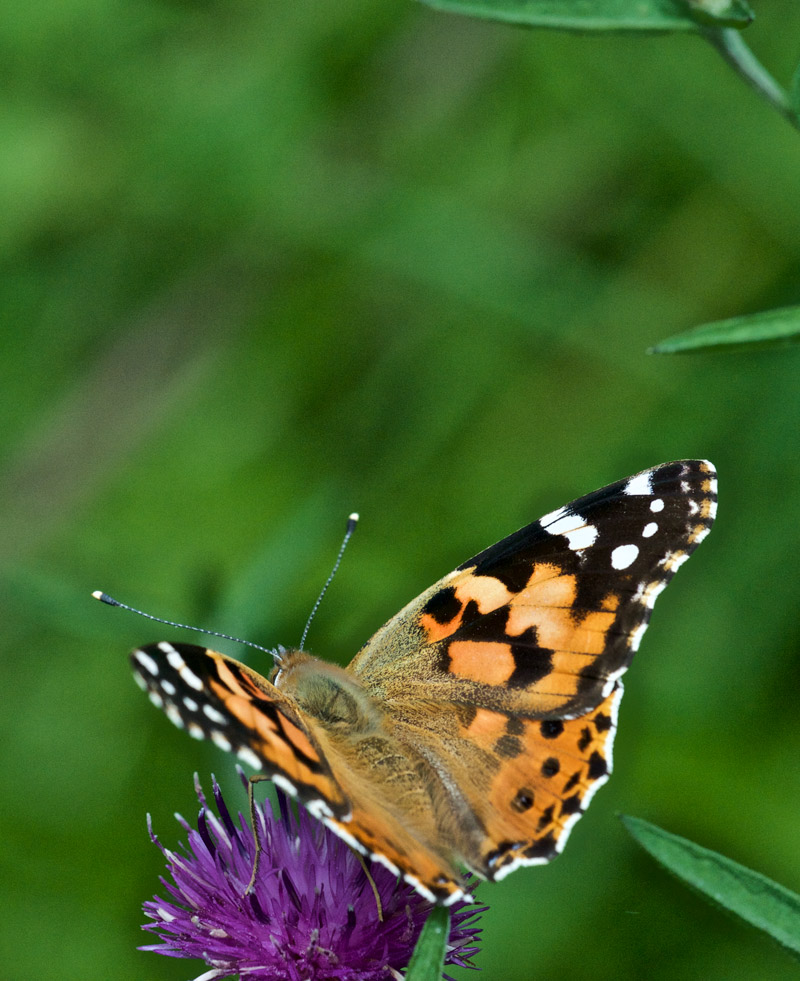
551,728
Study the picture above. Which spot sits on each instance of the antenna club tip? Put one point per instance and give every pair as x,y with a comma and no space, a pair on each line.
354,517
98,594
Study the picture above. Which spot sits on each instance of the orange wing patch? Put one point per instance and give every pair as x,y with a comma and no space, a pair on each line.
549,771
537,643
487,662
464,592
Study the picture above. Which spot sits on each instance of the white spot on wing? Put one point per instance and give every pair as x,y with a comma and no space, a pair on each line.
611,682
653,591
455,897
656,505
190,703
649,529
177,662
552,516
173,715
319,809
339,831
414,882
195,731
214,715
573,819
156,699
574,528
144,660
516,864
384,861
247,756
624,556
284,783
699,535
636,636
640,484
191,679
582,537
676,559
609,746
222,741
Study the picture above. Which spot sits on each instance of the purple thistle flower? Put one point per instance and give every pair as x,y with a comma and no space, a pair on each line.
312,914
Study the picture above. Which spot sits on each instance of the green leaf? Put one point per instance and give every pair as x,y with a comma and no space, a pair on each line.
769,328
759,901
427,961
721,13
794,90
606,15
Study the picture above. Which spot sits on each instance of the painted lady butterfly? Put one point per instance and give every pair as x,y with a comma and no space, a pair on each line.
474,728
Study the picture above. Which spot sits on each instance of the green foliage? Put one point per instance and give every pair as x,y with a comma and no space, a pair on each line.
766,329
427,962
606,15
719,21
758,900
594,15
721,13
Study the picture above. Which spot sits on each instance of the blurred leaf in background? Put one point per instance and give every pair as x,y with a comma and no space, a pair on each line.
263,267
759,901
765,329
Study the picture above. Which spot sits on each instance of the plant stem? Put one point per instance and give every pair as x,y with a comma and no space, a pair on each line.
733,49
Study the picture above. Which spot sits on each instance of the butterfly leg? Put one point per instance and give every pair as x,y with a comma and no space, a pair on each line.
251,800
371,881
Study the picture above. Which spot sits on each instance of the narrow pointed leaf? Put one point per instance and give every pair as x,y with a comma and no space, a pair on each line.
758,900
721,13
606,15
427,961
769,328
794,90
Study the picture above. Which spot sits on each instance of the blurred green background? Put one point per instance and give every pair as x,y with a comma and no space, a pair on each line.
267,263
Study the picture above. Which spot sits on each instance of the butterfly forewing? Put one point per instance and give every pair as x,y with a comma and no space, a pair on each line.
218,698
545,621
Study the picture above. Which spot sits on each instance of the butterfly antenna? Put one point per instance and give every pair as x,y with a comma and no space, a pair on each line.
105,598
352,521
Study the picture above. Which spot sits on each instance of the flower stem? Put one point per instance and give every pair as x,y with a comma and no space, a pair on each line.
733,49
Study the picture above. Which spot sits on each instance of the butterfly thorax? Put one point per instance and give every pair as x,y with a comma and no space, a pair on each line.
327,693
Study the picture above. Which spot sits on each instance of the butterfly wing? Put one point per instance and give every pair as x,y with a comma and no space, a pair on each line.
511,664
218,698
545,621
497,689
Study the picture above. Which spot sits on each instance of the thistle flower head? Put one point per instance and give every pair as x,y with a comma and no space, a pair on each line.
312,914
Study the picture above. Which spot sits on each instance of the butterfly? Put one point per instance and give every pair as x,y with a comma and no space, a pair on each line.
472,730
